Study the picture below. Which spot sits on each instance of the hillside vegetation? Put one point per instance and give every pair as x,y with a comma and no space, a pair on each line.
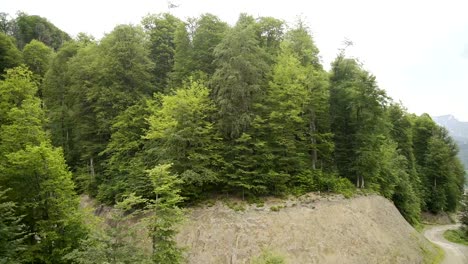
165,114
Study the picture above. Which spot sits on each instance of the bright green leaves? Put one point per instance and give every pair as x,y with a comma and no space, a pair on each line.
37,56
185,136
36,172
167,215
21,118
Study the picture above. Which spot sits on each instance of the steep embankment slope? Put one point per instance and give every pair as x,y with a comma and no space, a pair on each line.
313,229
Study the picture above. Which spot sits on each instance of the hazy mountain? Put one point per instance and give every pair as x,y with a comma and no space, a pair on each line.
459,131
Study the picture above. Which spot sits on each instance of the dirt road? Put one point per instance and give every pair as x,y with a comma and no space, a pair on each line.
454,253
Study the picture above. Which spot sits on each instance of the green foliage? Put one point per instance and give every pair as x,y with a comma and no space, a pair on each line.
125,167
270,33
238,79
456,236
37,57
209,32
332,183
247,110
116,241
183,56
28,27
36,172
100,82
268,257
167,215
59,101
161,30
12,231
10,56
443,174
358,121
184,136
464,216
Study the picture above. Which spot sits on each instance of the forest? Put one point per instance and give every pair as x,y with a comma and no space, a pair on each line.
162,115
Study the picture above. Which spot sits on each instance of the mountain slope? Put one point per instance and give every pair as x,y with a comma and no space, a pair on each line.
459,131
366,229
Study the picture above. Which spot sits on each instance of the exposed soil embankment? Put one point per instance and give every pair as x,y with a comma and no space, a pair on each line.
312,229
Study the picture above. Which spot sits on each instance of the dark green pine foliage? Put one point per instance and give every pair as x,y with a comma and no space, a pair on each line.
194,48
357,109
270,32
407,196
128,156
161,30
317,109
36,173
183,57
12,231
241,73
237,85
59,101
209,32
443,173
106,79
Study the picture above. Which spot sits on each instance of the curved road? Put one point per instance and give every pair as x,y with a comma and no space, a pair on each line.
454,253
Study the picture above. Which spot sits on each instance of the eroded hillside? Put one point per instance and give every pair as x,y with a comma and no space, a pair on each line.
367,229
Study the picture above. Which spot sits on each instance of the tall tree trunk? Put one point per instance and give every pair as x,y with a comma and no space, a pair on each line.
91,167
313,129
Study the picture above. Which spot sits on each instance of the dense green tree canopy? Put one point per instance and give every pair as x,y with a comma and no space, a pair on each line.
28,27
36,172
10,56
37,57
157,116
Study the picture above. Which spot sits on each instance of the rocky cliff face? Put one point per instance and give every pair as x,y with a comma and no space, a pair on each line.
311,229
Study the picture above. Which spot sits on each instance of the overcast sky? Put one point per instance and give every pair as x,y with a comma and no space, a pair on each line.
417,49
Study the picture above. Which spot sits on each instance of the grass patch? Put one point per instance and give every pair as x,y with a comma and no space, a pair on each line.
431,258
268,257
419,227
276,208
456,236
236,206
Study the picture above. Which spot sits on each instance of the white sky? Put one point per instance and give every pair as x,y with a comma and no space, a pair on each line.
417,49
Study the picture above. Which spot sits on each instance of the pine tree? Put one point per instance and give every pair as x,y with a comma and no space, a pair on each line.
12,231
358,121
239,78
161,29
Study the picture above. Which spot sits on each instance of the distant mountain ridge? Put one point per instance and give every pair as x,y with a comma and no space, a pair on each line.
459,132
